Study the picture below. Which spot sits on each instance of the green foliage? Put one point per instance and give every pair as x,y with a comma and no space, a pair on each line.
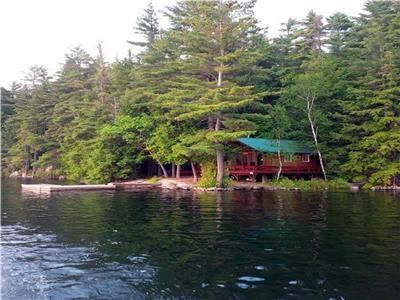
338,184
311,185
372,120
210,77
153,180
208,179
208,172
147,25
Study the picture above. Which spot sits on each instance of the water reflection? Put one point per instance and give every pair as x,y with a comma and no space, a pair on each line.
180,244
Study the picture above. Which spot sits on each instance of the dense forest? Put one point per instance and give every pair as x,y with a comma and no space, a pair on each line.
210,77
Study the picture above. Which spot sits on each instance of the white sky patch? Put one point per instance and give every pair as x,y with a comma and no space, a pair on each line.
41,32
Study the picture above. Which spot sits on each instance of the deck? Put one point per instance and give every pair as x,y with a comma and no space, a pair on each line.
241,170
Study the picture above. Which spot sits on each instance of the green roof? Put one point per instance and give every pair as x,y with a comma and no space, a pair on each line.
271,146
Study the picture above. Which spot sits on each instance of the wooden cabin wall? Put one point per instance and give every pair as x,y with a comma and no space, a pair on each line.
249,157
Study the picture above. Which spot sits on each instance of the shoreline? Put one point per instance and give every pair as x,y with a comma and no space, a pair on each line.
184,183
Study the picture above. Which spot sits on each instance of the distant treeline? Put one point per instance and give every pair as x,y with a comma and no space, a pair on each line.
212,76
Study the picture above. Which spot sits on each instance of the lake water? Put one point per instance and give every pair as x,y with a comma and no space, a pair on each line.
157,244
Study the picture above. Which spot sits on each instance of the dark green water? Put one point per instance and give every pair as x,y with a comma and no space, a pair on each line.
181,245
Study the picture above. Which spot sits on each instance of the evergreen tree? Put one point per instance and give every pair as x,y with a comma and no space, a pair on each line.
278,129
210,78
8,98
338,26
374,118
147,26
212,36
310,36
33,106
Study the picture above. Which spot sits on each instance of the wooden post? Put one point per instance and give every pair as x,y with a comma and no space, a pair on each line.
264,178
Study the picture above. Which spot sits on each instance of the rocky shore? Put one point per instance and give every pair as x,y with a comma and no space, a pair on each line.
188,184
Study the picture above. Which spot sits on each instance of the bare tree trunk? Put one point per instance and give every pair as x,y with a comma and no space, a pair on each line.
35,157
310,103
219,151
178,171
27,163
173,170
220,168
193,171
114,108
101,76
210,123
279,158
165,173
220,158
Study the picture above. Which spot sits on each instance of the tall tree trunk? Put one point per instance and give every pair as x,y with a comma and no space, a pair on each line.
27,162
193,171
220,168
220,158
165,173
314,133
210,123
178,171
219,151
101,76
35,158
279,158
114,108
173,170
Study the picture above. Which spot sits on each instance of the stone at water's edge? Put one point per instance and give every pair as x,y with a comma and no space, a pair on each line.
386,188
168,183
354,188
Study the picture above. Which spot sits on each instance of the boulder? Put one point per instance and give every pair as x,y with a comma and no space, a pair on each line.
257,187
15,174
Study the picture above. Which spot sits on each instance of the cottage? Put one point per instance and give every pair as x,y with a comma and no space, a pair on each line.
258,160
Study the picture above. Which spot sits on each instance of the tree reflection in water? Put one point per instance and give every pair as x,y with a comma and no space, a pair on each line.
183,244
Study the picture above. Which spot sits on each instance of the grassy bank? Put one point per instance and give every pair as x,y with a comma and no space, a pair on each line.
310,185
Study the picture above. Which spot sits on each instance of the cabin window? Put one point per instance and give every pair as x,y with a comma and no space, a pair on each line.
288,158
306,158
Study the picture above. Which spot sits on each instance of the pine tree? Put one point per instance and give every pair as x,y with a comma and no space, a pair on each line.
213,35
8,98
83,108
373,122
285,62
338,26
33,107
278,127
147,26
310,36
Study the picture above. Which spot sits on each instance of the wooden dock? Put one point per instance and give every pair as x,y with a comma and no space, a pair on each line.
127,185
47,188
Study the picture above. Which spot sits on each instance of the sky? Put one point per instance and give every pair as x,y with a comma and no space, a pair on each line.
41,32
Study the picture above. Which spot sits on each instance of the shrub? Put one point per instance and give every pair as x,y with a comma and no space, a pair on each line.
310,185
153,179
338,184
208,176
